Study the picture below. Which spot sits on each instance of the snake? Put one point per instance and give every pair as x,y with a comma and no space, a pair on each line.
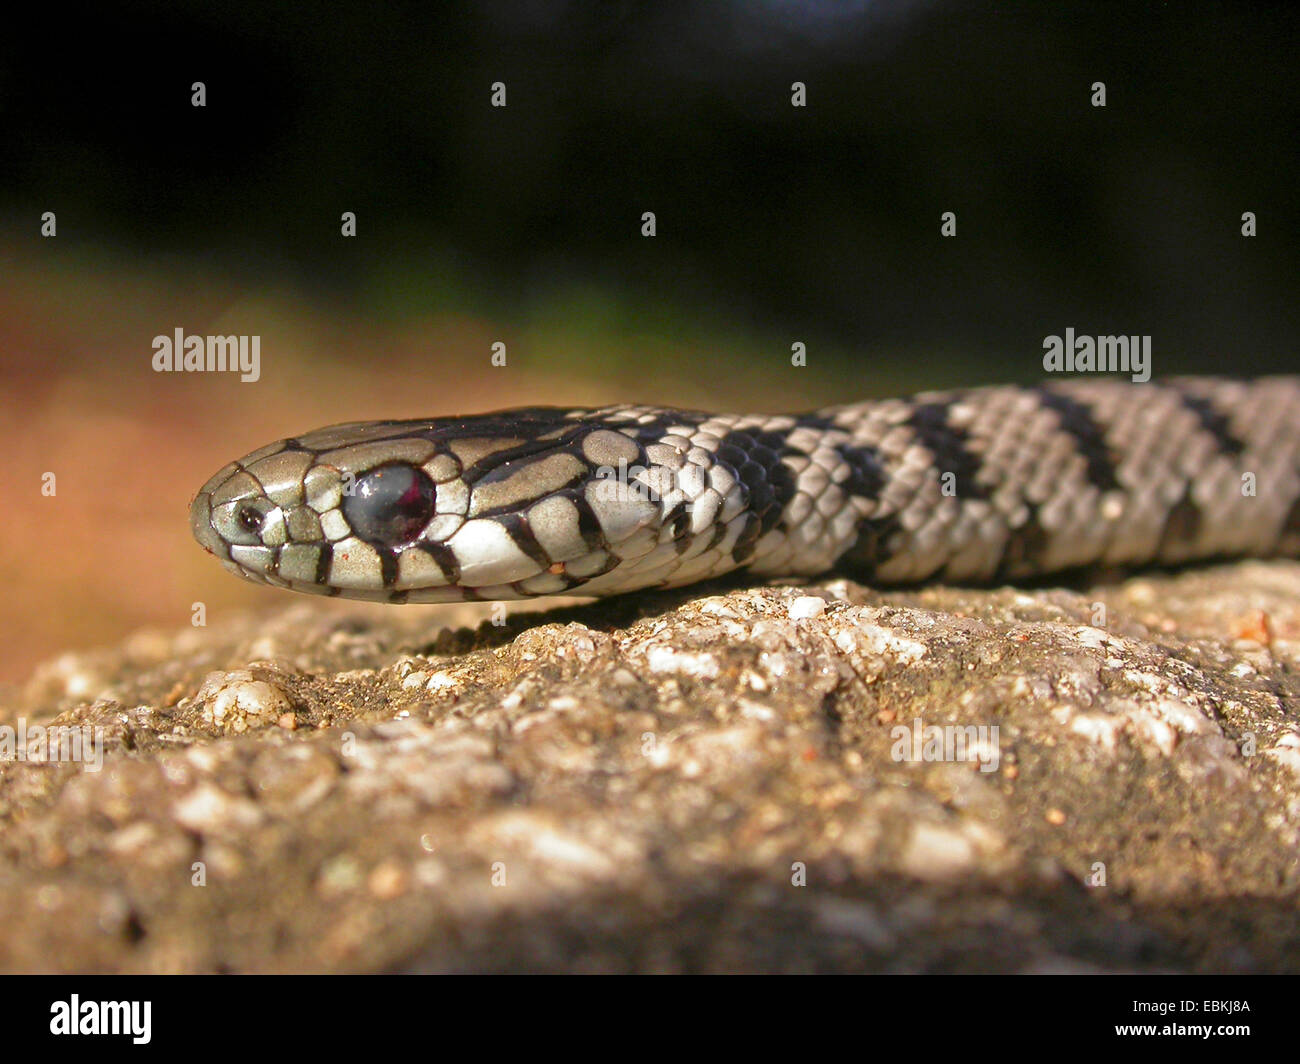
977,485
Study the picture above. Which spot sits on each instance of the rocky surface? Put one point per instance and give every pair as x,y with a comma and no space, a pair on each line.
720,781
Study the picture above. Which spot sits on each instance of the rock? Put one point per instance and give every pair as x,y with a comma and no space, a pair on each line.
821,778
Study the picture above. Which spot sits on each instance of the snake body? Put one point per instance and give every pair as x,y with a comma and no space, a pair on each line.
979,485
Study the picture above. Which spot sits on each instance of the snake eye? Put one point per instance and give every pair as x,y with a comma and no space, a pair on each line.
390,505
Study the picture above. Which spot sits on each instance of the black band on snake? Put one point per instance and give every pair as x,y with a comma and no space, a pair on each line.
975,486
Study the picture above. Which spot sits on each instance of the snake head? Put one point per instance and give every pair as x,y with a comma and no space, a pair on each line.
499,506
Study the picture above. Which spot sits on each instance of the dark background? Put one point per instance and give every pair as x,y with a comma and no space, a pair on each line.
522,225
821,222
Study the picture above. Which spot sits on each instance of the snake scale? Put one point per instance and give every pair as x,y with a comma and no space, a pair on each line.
978,485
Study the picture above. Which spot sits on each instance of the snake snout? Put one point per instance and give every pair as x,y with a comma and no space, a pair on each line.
233,519
202,526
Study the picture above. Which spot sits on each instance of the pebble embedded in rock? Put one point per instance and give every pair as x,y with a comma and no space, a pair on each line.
235,701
